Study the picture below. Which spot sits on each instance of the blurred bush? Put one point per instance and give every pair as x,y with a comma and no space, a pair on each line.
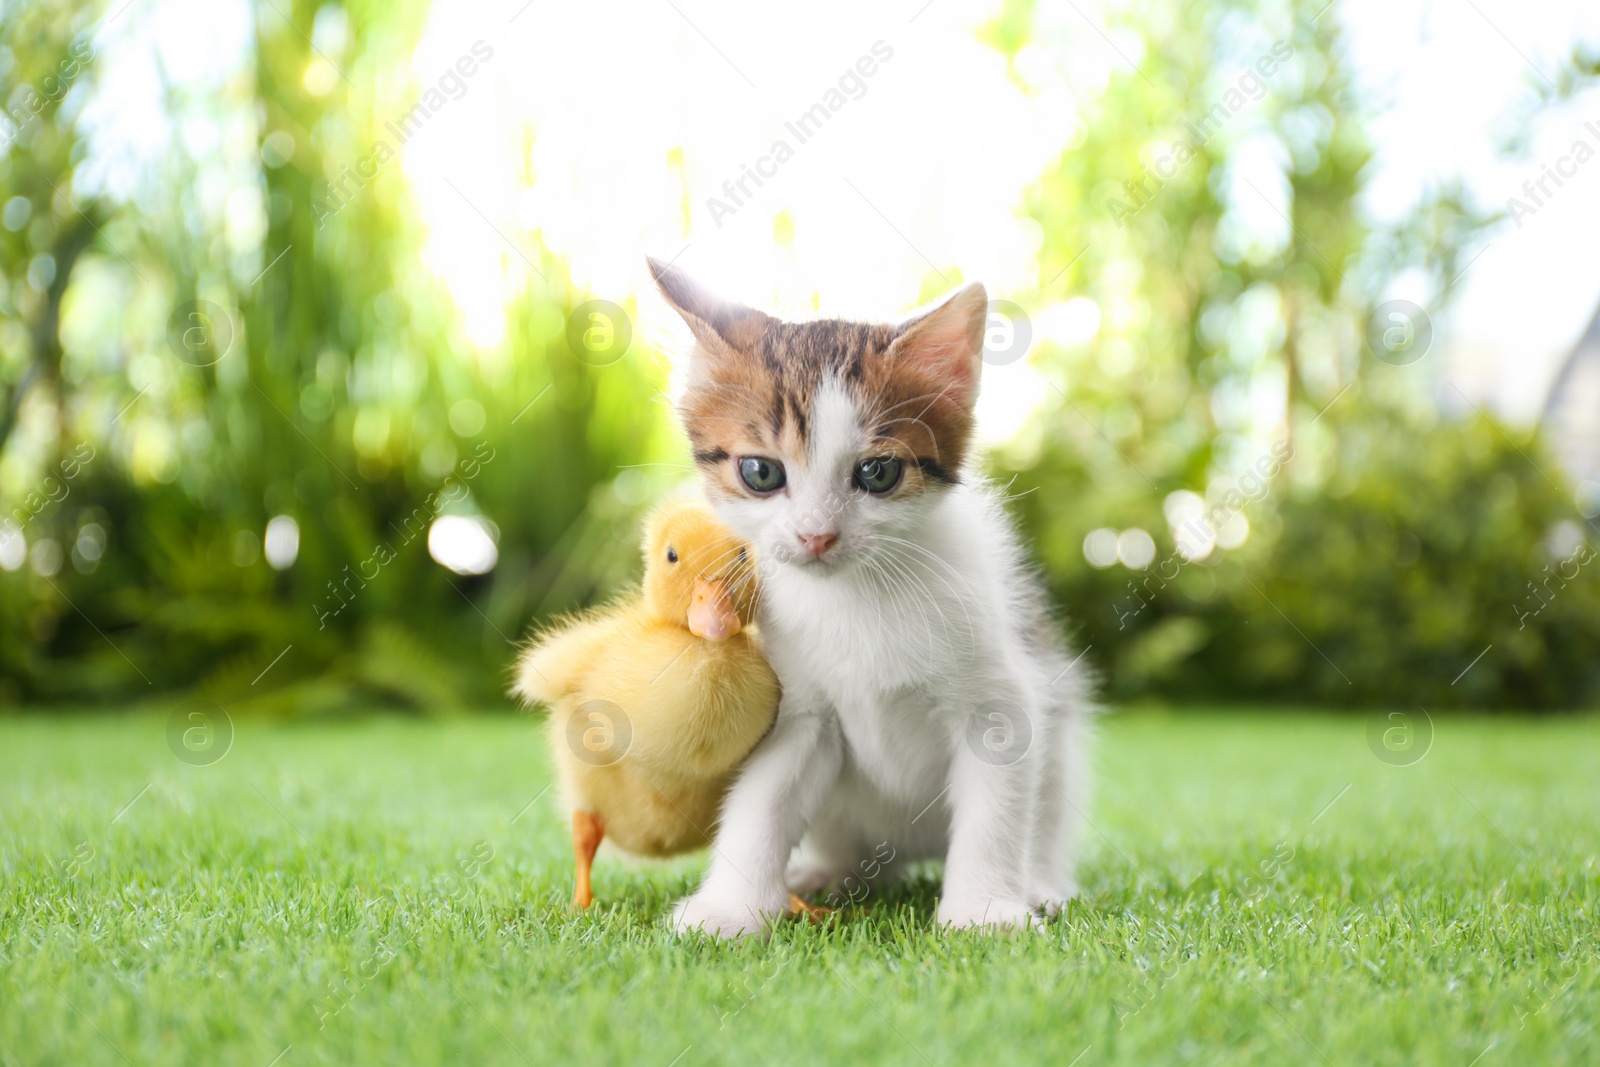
1428,565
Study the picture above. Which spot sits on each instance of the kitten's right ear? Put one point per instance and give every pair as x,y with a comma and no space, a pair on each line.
947,343
717,324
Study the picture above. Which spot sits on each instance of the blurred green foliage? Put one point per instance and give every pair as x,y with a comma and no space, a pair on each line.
1429,565
347,402
1393,546
1390,550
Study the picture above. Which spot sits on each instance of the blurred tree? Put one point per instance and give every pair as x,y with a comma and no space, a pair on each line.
45,230
1212,215
316,375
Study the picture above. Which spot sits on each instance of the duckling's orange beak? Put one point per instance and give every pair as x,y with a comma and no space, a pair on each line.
711,613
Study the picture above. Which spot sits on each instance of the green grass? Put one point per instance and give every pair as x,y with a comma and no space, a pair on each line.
366,892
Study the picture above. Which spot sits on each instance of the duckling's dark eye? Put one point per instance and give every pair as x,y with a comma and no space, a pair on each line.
878,474
672,554
760,474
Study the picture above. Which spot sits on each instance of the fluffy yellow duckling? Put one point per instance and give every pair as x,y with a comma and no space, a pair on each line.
655,701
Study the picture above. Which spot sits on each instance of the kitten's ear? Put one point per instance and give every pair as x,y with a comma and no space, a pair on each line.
717,324
947,343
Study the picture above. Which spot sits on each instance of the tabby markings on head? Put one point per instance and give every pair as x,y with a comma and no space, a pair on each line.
755,381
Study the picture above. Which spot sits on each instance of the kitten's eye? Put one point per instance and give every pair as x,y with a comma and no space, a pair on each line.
878,474
760,474
672,554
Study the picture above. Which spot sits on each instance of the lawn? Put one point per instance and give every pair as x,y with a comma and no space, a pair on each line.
1257,888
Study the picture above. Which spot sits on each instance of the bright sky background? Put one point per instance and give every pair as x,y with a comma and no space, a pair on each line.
1454,72
938,146
613,108
931,161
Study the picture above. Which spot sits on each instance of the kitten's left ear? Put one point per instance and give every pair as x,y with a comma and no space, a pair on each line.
947,343
717,324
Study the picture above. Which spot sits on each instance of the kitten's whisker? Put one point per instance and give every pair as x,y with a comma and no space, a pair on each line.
717,562
937,397
888,380
914,399
745,578
739,575
915,585
918,419
959,599
933,439
932,398
1008,497
889,586
899,580
930,554
880,578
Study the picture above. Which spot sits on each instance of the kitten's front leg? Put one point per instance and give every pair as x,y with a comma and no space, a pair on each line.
764,816
1058,811
991,826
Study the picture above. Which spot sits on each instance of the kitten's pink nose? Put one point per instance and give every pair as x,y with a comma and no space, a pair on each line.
817,544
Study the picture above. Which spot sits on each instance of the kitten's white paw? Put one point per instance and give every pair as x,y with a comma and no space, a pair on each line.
1052,899
992,914
726,916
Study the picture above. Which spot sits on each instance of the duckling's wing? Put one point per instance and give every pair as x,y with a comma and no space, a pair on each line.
556,663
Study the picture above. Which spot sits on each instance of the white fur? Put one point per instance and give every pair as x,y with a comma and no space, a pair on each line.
888,650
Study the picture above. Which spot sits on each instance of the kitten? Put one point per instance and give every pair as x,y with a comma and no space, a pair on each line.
927,703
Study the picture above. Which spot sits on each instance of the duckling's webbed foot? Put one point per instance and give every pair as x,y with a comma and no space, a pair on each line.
811,913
